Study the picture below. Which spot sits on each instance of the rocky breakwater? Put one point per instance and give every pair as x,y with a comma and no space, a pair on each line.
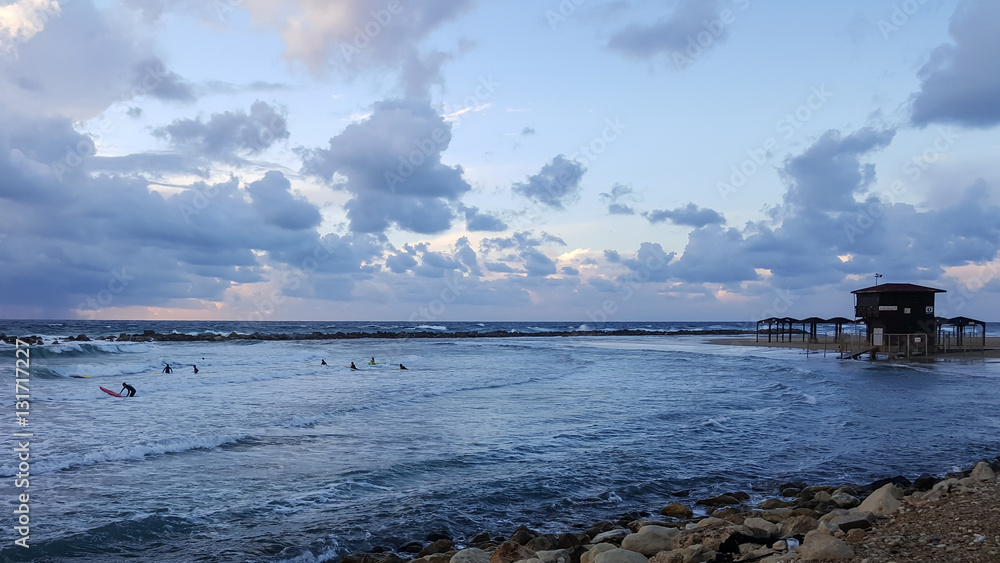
804,523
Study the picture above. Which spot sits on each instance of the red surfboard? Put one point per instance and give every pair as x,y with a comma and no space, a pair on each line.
110,392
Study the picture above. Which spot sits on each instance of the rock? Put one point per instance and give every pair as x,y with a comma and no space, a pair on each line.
471,555
650,540
850,520
790,492
593,552
677,510
776,515
523,535
509,552
798,525
481,537
739,495
600,527
553,556
941,489
618,555
982,472
672,556
439,546
772,503
721,500
883,501
410,547
903,482
713,523
844,500
820,545
734,515
762,529
612,536
780,545
545,542
435,536
856,535
925,482
566,541
822,496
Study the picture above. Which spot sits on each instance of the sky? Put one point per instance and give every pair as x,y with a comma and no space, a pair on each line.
561,160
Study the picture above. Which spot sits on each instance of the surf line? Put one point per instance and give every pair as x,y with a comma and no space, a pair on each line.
22,396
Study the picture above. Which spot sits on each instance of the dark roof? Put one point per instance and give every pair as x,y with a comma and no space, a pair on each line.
898,288
959,321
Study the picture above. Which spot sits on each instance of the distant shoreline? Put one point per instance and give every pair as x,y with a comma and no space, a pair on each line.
153,336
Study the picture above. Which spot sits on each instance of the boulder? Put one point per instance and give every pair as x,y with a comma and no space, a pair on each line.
566,541
899,480
480,537
545,542
721,500
612,536
798,525
523,535
471,555
677,510
982,472
618,555
691,554
844,500
410,547
761,529
848,520
822,546
883,501
439,546
925,482
589,556
554,556
509,552
650,540
773,503
600,527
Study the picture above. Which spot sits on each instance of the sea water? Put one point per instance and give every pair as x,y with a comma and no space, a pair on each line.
267,455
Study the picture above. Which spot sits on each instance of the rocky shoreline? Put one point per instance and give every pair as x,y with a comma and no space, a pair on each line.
153,336
802,523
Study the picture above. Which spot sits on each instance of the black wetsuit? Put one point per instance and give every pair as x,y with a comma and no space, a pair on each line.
131,390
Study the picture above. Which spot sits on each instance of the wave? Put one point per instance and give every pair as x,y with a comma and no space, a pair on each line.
85,349
430,327
127,453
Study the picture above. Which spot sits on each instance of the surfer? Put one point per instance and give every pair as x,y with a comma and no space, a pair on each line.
353,366
195,368
401,366
322,362
129,388
371,363
167,369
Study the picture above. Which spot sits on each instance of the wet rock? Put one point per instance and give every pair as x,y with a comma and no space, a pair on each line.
650,540
762,529
847,520
717,501
612,536
677,510
898,480
925,482
523,535
410,547
553,556
772,503
439,546
599,528
435,536
481,537
618,555
545,542
566,541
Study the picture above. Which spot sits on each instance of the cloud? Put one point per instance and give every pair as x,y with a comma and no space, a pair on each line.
476,221
527,132
352,36
391,165
613,200
23,19
690,215
672,35
555,185
961,82
274,202
229,134
154,79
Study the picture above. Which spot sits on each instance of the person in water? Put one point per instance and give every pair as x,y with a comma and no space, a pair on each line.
129,388
322,362
167,369
195,368
353,366
371,363
401,366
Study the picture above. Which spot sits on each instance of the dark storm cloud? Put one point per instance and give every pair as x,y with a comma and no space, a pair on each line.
555,185
392,166
690,215
961,82
273,200
227,135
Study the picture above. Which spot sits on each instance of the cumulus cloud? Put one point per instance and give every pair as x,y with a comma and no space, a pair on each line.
391,165
227,135
556,184
23,19
274,202
152,78
352,35
672,35
477,221
690,215
961,82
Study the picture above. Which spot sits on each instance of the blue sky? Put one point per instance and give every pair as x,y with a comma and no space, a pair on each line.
472,159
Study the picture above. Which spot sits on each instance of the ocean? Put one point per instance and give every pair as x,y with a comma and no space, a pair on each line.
267,455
